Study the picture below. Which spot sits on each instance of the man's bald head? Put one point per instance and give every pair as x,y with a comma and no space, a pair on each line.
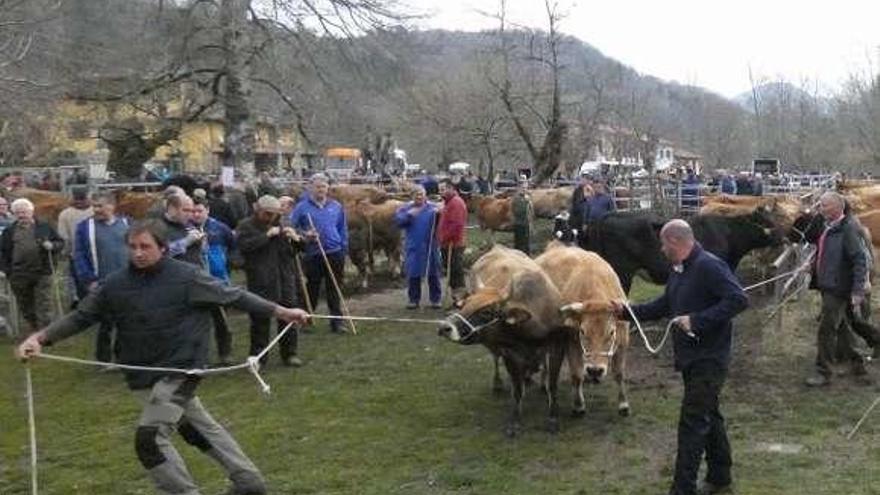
677,230
677,240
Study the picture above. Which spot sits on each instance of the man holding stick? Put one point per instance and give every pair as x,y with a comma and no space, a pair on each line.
418,219
322,219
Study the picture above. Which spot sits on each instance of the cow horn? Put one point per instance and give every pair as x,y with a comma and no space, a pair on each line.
573,307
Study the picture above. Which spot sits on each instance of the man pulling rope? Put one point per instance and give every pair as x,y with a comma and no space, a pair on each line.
162,310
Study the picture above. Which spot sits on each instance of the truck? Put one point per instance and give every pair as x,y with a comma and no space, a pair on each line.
342,162
767,166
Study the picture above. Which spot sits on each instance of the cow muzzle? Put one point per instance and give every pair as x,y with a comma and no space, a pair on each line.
449,331
595,373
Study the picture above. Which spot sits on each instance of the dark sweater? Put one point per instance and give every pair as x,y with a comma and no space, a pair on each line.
163,316
709,292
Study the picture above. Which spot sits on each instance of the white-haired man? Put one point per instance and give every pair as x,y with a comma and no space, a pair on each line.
25,248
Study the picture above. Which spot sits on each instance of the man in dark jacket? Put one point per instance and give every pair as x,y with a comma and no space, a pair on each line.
161,308
185,241
26,250
521,209
268,252
703,296
840,273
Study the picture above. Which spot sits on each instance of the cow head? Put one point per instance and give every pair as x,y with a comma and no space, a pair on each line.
772,231
598,333
807,228
487,308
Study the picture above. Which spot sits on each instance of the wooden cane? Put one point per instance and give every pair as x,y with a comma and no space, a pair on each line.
302,283
332,276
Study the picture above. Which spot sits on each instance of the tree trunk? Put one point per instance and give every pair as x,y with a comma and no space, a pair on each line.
238,142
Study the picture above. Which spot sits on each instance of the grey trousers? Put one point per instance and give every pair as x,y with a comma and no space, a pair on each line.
171,405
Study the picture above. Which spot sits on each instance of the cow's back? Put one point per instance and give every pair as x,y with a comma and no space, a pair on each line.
580,275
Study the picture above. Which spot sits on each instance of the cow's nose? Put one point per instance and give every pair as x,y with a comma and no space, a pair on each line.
595,373
445,329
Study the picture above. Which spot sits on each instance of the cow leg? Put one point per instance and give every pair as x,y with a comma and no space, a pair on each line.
552,368
517,390
618,362
497,383
576,369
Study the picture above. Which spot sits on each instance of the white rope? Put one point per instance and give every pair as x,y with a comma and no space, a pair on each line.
32,426
252,364
863,418
653,350
376,318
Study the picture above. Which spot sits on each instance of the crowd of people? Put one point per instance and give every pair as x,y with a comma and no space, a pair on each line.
157,290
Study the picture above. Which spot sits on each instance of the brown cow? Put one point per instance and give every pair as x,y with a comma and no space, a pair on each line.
47,204
864,199
871,221
136,205
588,285
348,193
513,309
495,213
547,203
784,210
372,227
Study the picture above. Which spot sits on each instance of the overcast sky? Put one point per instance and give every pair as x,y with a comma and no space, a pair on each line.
709,43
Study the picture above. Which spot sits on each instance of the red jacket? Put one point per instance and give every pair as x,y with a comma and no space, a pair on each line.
453,220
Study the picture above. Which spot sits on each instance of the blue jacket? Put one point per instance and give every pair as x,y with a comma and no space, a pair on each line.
728,185
90,262
419,240
598,207
329,222
710,293
221,241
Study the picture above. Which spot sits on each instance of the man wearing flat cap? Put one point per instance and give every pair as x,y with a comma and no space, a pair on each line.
268,252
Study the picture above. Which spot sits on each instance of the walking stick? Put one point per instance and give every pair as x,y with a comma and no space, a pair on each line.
332,276
430,252
302,283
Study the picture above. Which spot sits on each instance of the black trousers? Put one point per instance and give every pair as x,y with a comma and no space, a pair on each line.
521,238
834,340
701,429
287,346
104,347
453,259
317,275
221,333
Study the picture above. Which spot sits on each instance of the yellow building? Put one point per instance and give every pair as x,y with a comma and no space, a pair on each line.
198,149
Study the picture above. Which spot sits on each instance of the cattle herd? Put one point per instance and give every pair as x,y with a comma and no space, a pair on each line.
516,306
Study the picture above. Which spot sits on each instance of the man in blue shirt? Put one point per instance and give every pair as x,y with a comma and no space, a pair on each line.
322,220
703,296
418,219
99,250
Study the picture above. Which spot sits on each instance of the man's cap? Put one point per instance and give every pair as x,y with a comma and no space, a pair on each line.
269,203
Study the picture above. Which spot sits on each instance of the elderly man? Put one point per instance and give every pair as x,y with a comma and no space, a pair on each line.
99,250
322,219
840,273
268,251
26,248
161,308
703,296
418,219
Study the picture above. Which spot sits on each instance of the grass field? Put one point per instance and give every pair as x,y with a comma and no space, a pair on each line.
397,410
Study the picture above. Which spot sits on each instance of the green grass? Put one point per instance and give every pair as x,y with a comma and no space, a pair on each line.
397,410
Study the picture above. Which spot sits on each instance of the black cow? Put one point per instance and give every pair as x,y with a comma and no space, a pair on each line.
731,238
629,242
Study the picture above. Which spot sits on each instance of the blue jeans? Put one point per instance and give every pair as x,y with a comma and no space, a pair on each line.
415,289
